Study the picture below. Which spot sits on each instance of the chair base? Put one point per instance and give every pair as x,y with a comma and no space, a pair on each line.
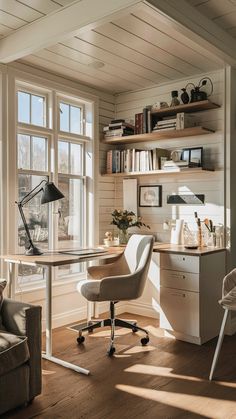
112,322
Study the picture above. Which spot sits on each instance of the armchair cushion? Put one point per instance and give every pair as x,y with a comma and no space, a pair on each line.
13,352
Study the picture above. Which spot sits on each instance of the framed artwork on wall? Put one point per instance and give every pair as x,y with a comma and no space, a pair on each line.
150,195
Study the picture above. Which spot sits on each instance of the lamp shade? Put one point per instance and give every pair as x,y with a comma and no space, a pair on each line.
50,193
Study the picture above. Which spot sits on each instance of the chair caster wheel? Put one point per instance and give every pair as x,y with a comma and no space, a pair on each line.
134,329
144,341
90,330
111,351
80,339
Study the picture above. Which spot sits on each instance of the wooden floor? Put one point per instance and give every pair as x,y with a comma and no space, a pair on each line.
166,379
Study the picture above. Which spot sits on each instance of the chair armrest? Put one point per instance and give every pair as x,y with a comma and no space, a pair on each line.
25,319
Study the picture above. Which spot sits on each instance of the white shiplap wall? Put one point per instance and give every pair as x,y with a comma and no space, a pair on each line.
209,183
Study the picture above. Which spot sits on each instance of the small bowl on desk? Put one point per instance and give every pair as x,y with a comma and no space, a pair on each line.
110,243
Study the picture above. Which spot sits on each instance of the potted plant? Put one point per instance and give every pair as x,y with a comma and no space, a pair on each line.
124,220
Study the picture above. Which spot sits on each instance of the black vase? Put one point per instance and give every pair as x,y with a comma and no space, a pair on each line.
184,96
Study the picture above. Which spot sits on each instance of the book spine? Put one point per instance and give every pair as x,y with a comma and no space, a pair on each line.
137,160
136,129
133,160
149,121
109,162
144,120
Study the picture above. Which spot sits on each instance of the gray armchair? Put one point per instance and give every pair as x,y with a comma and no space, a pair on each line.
20,354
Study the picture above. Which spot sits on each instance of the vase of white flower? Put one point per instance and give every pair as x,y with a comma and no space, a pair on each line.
124,220
123,236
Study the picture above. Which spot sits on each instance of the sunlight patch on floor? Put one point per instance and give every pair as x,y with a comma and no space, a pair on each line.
140,349
47,372
159,371
155,331
200,405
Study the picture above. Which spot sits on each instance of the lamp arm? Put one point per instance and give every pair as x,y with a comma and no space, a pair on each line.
25,224
24,201
31,196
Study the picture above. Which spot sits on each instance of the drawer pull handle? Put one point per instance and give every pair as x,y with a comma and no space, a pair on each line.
183,276
178,295
183,258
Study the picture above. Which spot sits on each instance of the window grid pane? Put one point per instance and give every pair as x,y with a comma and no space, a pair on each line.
24,107
31,109
23,151
32,153
70,118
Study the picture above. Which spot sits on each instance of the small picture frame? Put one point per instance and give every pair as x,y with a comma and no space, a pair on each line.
150,195
193,156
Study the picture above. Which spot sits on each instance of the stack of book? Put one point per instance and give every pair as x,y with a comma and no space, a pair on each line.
118,128
135,160
180,121
165,124
175,165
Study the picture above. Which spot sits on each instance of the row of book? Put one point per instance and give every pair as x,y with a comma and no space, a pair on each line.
143,121
135,160
144,124
180,121
118,128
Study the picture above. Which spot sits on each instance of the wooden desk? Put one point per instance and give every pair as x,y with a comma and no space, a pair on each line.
49,261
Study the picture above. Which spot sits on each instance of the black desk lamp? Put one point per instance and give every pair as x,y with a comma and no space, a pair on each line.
50,193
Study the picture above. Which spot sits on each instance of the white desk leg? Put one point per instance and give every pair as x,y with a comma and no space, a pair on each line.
48,354
49,311
11,279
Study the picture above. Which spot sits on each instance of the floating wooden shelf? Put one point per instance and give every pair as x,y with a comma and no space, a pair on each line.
202,105
161,172
158,135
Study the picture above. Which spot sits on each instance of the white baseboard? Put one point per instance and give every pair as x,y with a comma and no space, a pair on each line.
135,307
67,317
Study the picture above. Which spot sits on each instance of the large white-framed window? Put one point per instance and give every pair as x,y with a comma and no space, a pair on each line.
53,142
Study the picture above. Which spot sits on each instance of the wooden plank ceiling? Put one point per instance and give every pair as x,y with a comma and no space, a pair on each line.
15,14
135,51
222,12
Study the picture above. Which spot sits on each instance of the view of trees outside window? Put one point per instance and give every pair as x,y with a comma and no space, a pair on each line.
37,219
70,222
33,165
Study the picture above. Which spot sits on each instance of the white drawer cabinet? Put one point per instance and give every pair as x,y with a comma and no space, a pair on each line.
178,262
190,287
184,314
179,280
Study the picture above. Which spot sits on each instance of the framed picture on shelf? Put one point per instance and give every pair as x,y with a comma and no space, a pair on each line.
193,156
150,195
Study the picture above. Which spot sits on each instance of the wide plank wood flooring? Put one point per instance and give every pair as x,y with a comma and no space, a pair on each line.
166,379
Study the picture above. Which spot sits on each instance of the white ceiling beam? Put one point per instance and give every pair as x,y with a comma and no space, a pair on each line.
59,26
198,28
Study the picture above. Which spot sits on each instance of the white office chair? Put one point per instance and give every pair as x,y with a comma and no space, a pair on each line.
228,302
124,279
